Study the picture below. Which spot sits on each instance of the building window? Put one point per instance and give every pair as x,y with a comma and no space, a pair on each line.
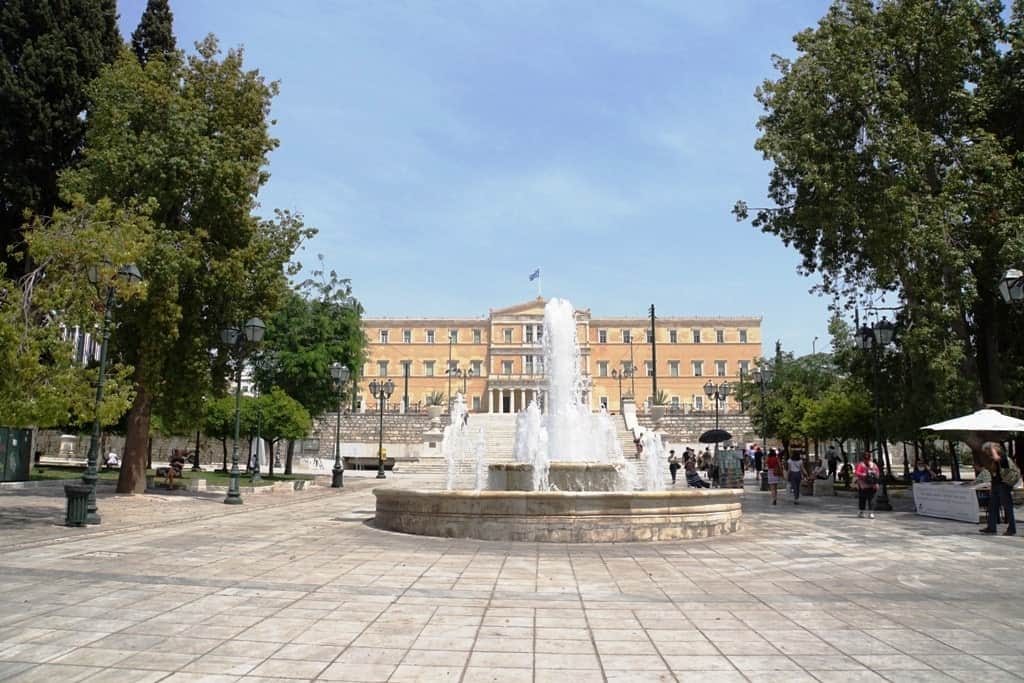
602,336
698,368
743,336
476,403
627,368
406,368
720,368
719,336
430,336
506,367
527,365
696,336
540,333
602,368
382,368
507,332
428,368
673,336
529,334
453,336
477,366
407,336
673,368
383,336
476,336
650,336
453,366
698,402
675,403
627,336
744,367
649,368
603,401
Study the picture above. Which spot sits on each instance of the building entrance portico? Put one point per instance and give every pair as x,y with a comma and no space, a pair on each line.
510,399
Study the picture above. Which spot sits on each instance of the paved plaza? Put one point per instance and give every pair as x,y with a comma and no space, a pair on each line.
301,587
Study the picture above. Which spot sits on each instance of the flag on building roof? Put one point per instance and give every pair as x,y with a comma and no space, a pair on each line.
534,275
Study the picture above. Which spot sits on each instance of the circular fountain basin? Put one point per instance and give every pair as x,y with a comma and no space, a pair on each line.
561,516
562,476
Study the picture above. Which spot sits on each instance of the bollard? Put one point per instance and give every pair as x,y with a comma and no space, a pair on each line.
78,504
764,480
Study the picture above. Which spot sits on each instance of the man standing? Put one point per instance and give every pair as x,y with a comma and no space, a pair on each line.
1005,476
758,458
833,462
673,465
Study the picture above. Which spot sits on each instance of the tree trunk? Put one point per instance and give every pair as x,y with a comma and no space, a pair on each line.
270,457
224,447
132,478
288,459
987,348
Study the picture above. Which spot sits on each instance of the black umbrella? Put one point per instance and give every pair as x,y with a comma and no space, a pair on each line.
715,436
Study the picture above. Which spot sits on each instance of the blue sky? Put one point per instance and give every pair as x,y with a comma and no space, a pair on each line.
446,149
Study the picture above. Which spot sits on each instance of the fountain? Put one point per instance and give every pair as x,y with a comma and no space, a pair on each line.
570,481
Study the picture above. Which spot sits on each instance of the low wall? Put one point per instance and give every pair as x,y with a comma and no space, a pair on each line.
560,517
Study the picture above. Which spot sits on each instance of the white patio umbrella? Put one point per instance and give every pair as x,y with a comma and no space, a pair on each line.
986,420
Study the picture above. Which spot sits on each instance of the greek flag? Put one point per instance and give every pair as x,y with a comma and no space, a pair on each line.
534,275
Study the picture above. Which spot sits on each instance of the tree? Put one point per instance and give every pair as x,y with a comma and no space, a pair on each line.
154,36
193,137
44,381
278,416
51,50
843,412
896,142
319,324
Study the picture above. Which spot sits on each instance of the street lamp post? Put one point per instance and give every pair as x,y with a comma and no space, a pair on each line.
763,377
873,340
717,394
339,373
251,332
1011,287
128,274
382,391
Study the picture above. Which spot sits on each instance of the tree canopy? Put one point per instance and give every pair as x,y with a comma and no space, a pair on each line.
191,137
51,50
154,36
895,139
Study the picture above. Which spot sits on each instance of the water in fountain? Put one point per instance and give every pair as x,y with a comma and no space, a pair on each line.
569,432
455,441
656,460
480,453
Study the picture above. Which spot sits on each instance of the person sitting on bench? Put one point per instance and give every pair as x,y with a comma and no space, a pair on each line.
693,476
177,464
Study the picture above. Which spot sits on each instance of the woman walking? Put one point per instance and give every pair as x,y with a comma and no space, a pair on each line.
867,474
774,474
795,468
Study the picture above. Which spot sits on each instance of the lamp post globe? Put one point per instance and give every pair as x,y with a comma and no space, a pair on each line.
339,373
723,389
254,330
709,389
884,332
1011,287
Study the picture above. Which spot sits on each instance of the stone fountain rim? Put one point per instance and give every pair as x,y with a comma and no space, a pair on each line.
471,493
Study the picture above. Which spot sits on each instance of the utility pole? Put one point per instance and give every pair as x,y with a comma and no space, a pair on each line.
654,360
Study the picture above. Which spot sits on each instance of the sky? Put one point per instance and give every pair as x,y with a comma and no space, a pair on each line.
447,149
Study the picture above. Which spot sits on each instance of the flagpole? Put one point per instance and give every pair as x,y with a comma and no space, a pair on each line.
539,295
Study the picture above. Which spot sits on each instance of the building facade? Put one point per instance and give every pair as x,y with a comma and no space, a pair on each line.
497,361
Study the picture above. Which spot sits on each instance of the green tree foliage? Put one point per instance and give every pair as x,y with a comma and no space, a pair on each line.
278,417
154,37
192,137
841,413
219,421
51,49
896,142
43,383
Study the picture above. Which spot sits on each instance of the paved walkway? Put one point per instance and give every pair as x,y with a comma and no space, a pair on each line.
300,587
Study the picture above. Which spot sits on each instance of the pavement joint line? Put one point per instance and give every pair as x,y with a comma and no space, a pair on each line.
586,618
487,607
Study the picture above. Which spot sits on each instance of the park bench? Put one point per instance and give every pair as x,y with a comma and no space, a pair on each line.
367,462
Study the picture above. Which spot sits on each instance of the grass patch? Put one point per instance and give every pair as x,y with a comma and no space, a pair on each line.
218,478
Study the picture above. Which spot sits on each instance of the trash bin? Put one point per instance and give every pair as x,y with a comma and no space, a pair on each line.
78,504
764,480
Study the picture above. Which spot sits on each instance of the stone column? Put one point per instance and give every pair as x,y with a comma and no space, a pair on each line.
490,400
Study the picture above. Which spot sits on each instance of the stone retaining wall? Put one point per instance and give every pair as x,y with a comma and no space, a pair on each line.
687,428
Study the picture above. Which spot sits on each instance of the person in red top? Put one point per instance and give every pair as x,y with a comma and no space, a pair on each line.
774,474
867,474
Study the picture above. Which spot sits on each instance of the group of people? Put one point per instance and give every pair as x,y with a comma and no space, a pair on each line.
691,464
794,472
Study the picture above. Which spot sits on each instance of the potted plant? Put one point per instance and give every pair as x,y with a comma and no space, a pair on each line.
435,404
658,403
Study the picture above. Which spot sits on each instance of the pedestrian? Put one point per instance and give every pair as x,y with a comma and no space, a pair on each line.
774,474
867,474
795,468
758,458
1005,476
833,462
693,476
673,465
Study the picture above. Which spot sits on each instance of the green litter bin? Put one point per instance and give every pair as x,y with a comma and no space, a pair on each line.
78,504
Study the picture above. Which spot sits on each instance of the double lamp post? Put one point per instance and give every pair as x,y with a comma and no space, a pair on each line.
382,392
874,340
339,373
250,334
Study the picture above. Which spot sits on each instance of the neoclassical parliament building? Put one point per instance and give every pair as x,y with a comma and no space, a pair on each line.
498,359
